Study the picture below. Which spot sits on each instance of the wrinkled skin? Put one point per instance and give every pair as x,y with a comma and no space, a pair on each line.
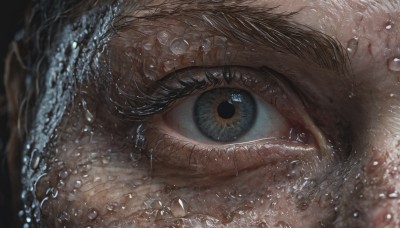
96,170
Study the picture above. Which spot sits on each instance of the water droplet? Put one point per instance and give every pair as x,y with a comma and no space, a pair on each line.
106,159
375,163
179,208
89,116
147,46
206,45
130,195
356,214
169,65
163,37
179,46
388,217
63,174
157,204
135,156
393,195
92,214
388,25
352,46
74,45
84,167
111,206
150,68
282,224
35,159
394,64
161,215
78,184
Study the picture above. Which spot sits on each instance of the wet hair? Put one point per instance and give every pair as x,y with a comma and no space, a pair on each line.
27,60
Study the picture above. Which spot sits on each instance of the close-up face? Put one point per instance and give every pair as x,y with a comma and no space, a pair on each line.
208,113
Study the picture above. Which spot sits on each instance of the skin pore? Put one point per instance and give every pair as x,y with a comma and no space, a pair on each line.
106,127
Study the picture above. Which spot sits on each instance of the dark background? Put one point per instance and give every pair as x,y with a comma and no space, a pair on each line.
11,20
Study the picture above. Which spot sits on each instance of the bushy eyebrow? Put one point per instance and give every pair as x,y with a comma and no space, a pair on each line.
254,26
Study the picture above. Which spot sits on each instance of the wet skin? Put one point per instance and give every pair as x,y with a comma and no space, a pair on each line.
333,162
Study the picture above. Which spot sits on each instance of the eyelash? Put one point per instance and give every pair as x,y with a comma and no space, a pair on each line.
161,95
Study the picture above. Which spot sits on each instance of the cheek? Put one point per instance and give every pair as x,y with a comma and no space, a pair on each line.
92,180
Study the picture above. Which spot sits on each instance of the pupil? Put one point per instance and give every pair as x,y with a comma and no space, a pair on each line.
226,110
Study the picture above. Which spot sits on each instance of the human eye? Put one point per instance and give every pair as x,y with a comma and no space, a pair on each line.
166,74
239,118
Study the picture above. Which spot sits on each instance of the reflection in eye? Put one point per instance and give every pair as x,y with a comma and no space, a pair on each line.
220,127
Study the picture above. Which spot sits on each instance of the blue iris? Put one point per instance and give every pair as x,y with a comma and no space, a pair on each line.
225,114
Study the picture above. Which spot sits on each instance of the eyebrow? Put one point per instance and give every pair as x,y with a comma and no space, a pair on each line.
254,26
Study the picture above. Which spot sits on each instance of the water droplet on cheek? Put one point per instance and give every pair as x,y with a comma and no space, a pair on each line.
92,214
157,204
388,217
356,214
89,116
147,46
63,174
150,68
163,37
179,46
78,184
388,25
282,224
394,64
393,195
179,208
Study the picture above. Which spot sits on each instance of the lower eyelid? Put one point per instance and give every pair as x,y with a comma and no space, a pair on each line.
223,160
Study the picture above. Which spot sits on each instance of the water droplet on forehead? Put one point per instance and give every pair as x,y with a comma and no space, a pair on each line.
179,208
394,64
179,46
352,46
92,214
163,37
